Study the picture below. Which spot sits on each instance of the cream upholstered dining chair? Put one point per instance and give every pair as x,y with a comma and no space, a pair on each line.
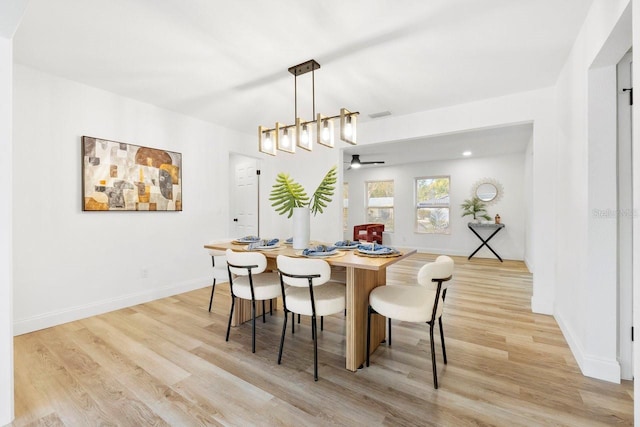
432,285
248,280
418,304
306,290
220,273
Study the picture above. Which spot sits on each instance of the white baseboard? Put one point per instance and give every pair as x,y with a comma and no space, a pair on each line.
529,264
541,305
53,318
453,252
440,251
591,366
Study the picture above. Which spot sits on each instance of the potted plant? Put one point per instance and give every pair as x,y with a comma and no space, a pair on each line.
289,197
476,208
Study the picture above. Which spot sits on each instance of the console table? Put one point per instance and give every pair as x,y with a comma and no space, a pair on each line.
494,227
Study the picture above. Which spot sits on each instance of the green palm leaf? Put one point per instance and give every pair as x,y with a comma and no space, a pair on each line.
287,194
324,192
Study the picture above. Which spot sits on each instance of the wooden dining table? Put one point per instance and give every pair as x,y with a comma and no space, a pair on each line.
363,273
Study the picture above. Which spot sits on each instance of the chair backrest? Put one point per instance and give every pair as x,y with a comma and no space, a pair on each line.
218,256
218,259
303,267
242,260
370,232
216,252
442,268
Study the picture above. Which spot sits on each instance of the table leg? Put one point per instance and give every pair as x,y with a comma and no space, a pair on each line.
485,243
360,282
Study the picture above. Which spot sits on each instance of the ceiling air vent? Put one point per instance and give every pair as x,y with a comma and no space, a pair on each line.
380,114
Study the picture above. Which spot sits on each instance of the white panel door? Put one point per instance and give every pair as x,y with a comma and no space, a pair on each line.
245,196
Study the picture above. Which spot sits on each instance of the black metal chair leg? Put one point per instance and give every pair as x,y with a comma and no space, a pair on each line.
315,349
389,321
366,349
444,351
298,318
322,323
284,331
433,358
264,320
253,326
233,302
293,323
271,307
213,288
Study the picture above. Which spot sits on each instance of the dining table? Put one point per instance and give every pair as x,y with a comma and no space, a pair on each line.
363,274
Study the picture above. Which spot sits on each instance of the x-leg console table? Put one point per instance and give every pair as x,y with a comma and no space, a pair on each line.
495,227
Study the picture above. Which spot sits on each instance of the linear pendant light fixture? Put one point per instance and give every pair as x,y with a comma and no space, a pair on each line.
301,132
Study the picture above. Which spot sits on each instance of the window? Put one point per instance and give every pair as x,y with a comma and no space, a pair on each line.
380,203
345,206
432,205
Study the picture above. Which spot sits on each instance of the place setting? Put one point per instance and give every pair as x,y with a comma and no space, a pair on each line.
322,251
263,245
376,250
246,240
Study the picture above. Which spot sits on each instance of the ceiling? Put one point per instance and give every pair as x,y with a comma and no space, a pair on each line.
226,61
488,142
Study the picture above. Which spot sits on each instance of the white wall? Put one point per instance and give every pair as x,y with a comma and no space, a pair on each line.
463,173
528,207
6,320
636,213
10,15
586,180
69,264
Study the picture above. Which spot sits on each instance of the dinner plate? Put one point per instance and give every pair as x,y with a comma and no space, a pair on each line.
244,240
264,248
373,252
322,254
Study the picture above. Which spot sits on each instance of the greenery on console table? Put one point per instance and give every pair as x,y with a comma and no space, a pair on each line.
287,194
475,207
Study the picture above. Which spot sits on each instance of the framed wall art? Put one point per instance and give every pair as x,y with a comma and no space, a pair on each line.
126,177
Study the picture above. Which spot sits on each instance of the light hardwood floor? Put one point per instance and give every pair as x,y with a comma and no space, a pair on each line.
167,363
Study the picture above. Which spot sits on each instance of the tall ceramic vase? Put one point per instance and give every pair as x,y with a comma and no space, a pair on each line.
301,226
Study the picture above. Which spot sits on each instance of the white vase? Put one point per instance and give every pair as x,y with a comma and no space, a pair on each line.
301,226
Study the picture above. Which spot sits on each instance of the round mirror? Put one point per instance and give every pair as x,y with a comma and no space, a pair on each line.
486,192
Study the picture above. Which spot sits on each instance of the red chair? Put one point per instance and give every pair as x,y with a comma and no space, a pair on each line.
368,232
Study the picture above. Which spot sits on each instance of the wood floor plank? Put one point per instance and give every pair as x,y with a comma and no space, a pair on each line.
166,362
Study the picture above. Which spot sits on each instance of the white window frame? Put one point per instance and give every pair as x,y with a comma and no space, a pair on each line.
435,205
391,207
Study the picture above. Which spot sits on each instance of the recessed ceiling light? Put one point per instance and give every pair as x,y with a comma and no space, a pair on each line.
466,153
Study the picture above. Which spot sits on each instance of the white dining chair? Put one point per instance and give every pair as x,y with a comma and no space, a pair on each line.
417,304
219,273
306,290
248,280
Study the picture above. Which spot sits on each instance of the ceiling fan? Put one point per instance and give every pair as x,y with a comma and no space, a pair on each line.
356,162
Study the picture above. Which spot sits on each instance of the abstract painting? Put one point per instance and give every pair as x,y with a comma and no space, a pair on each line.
126,177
